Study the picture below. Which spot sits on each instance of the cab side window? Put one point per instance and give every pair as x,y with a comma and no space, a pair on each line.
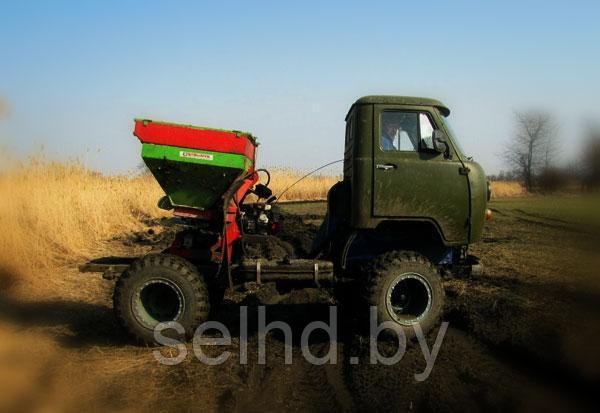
425,131
348,146
399,131
405,131
349,131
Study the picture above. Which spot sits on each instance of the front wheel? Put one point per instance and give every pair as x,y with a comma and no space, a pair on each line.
407,290
160,288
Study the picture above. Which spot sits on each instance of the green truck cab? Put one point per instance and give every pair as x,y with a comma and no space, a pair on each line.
429,180
416,186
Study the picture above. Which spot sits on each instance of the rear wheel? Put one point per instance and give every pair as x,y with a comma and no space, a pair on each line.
160,288
407,290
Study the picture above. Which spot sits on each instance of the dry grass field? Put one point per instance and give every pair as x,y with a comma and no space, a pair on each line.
311,188
53,213
502,189
523,336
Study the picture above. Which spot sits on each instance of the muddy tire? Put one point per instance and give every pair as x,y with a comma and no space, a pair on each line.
406,289
160,288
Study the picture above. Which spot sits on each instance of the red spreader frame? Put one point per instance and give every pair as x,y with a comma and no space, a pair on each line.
223,247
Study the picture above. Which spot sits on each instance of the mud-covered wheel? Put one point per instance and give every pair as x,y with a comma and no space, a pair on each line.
406,289
160,288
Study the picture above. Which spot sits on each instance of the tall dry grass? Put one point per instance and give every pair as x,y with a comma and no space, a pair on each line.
312,187
52,213
507,189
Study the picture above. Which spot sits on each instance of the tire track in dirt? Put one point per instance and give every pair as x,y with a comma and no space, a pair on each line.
301,386
499,329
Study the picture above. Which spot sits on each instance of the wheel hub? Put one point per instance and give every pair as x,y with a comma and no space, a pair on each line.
409,298
158,300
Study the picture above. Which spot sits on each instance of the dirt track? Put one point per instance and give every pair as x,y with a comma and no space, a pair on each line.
524,335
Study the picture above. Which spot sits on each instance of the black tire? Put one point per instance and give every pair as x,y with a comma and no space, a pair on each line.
406,289
158,288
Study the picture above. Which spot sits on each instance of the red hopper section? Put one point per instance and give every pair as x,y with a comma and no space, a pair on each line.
194,137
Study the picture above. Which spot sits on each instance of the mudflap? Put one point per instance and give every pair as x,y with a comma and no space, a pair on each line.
469,267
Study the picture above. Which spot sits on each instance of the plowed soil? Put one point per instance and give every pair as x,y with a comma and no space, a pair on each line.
523,336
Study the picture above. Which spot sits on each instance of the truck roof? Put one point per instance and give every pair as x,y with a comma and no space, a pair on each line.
401,100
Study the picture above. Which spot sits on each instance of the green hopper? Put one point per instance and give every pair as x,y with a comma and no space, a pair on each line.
195,166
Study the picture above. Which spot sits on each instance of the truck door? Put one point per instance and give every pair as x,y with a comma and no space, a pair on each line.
411,181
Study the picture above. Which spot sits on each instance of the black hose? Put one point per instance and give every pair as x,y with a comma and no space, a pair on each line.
268,175
249,175
241,225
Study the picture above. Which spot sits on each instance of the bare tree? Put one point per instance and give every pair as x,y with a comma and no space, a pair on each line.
589,164
533,146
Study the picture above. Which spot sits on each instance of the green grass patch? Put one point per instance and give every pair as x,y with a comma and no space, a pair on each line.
581,210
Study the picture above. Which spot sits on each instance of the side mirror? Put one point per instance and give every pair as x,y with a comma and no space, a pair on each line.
165,203
440,142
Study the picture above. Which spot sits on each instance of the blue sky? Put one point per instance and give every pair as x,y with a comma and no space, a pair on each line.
75,74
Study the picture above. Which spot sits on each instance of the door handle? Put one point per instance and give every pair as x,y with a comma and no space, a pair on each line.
386,166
